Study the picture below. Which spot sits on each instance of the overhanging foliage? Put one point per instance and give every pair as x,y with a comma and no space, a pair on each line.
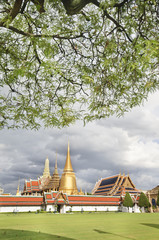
56,68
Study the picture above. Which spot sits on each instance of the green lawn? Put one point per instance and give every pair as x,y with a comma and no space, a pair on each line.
111,226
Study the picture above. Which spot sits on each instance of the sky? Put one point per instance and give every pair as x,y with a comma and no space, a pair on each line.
129,145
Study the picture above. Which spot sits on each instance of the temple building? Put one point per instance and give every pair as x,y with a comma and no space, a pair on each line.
52,193
116,185
32,187
152,195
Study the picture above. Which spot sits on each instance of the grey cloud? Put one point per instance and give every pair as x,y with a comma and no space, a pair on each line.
101,149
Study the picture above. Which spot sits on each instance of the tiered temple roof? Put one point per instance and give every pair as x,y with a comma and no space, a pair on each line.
44,183
116,185
32,186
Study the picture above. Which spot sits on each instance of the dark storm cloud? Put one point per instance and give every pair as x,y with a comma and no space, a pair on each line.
101,149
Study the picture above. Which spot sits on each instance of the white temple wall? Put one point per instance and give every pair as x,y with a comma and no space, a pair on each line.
92,208
63,209
125,209
19,208
135,209
50,208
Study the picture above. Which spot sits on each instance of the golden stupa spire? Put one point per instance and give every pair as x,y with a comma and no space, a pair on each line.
68,179
68,164
18,193
46,172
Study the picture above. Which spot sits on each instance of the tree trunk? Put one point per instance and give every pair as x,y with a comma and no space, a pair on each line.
74,6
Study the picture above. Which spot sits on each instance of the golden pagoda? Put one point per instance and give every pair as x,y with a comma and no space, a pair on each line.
68,178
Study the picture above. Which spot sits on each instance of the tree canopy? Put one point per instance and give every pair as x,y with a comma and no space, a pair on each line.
128,202
75,59
143,201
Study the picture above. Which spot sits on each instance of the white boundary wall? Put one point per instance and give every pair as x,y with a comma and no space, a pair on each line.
50,208
65,208
135,209
4,209
92,208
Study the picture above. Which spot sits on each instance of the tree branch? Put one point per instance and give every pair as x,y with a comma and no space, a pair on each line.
119,5
39,5
73,7
95,2
16,8
28,34
13,13
23,6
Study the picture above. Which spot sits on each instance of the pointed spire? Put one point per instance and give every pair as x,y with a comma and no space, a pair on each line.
54,180
55,170
18,193
46,172
68,178
68,164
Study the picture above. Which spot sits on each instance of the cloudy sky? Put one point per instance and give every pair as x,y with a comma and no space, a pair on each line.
101,149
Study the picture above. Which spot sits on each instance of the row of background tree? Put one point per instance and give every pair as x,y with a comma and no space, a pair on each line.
143,201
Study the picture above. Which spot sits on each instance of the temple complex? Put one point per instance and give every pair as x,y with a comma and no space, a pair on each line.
46,183
52,193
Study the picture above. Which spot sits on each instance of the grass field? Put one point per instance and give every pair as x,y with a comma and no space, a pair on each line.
93,226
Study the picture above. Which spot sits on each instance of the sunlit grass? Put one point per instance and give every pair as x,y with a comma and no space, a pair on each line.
96,226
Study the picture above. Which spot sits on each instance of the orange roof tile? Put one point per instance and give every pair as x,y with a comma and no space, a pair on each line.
28,184
94,203
35,183
48,196
93,198
20,200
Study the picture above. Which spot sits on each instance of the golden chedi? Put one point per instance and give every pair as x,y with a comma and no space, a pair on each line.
68,179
